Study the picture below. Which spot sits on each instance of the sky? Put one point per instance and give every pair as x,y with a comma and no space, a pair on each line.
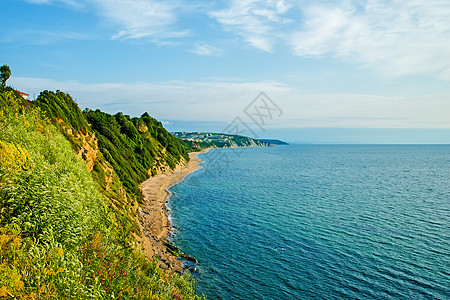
342,71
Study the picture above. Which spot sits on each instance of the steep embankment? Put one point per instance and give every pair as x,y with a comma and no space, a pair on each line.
66,225
274,142
134,148
194,141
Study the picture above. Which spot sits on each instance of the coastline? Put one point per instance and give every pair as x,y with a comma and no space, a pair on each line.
153,216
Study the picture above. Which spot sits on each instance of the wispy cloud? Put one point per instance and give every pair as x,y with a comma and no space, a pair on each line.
138,19
39,1
73,3
40,37
218,101
134,19
254,20
223,101
397,38
206,50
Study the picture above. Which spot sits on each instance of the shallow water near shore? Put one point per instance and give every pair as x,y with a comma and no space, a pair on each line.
318,221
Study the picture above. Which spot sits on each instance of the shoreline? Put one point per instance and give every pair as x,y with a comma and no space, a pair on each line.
153,217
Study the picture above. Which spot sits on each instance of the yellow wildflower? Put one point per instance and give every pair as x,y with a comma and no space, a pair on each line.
60,252
19,284
17,241
3,239
60,270
39,127
48,272
13,157
4,292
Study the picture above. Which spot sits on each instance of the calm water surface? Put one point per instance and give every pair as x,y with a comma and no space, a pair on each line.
318,221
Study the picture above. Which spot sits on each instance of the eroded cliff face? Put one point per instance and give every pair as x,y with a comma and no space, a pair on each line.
146,216
89,149
248,143
86,144
120,152
163,168
86,147
143,128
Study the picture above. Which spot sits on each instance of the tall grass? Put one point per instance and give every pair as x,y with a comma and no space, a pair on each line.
59,237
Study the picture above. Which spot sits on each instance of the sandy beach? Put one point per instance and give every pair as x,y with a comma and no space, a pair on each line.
153,220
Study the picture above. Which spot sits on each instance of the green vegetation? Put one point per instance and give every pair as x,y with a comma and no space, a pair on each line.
130,147
133,146
59,105
65,114
5,73
65,232
194,141
273,142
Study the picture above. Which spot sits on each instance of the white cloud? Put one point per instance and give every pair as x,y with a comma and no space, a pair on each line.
39,2
134,19
174,100
142,18
254,20
206,50
398,38
223,101
73,3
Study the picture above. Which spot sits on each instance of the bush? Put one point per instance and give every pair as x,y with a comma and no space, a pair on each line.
59,236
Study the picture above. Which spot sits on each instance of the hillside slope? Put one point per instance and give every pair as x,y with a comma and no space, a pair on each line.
131,148
194,141
66,223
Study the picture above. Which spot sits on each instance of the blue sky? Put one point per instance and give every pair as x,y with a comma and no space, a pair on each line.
350,71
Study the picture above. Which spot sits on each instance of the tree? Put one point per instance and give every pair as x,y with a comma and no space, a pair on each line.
5,72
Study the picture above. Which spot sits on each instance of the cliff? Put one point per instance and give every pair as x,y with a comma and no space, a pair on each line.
194,141
68,200
274,142
120,151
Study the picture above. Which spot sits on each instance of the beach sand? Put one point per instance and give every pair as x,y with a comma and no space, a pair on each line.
153,220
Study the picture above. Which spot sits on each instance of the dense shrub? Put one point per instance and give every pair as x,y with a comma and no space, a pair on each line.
60,105
59,236
131,146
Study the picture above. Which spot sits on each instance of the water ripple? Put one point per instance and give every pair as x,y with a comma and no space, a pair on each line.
320,222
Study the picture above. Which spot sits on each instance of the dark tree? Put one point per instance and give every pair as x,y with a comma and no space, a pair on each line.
5,73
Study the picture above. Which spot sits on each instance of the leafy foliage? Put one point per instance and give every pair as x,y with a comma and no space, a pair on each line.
194,141
5,73
59,105
130,146
59,236
134,146
42,178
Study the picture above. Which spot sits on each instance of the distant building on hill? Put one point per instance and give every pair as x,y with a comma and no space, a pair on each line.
24,95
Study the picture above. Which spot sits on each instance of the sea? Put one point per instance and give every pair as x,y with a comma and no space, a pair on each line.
318,222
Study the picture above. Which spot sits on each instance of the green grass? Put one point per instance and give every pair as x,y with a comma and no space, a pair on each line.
131,146
59,236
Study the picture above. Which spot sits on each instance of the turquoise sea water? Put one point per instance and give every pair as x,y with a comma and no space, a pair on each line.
318,221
